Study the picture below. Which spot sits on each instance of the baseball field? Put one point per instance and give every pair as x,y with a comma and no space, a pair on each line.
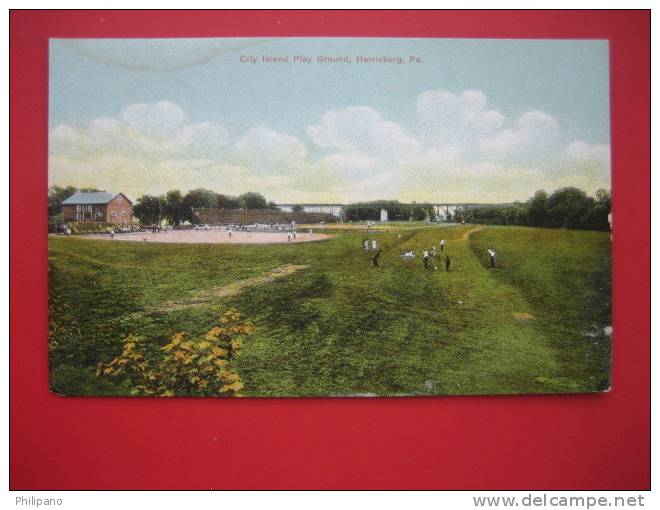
327,322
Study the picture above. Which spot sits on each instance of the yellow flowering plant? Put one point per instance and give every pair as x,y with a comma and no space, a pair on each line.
189,367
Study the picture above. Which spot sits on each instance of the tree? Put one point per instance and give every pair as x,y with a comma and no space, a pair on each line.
538,206
597,217
568,207
199,198
396,211
174,208
57,195
251,200
148,209
227,202
604,198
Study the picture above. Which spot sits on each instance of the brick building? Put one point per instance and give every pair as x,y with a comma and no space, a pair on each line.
99,207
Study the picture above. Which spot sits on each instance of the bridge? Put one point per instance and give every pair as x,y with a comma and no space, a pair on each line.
442,209
334,209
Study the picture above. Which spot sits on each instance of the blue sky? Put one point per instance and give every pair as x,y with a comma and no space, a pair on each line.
476,120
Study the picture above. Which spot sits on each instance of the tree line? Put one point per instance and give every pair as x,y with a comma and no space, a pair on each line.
564,208
396,211
173,206
176,208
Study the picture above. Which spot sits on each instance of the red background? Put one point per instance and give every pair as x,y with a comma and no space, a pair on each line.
534,442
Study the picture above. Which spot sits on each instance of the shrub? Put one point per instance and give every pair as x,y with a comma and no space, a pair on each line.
189,367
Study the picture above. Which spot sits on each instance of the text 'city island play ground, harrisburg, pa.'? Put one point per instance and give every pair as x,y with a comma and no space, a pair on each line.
328,59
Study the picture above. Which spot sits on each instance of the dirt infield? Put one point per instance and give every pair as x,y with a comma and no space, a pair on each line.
213,237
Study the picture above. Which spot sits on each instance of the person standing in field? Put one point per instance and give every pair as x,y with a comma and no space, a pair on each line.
294,235
447,262
426,259
365,243
434,253
374,259
288,236
442,244
374,245
492,257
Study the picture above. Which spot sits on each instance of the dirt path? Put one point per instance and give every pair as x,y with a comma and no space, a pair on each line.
207,296
467,234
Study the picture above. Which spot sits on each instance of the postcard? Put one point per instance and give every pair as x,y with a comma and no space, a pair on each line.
334,217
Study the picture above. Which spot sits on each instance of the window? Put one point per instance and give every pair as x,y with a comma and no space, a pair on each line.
120,199
124,213
114,213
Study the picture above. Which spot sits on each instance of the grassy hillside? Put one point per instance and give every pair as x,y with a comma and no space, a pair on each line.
566,276
339,326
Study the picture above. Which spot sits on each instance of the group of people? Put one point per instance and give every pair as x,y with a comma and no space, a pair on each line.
410,254
434,254
427,255
291,235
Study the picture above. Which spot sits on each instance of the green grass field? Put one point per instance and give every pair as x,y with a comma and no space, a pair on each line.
342,327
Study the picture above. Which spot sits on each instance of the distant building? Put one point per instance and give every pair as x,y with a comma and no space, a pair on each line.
98,206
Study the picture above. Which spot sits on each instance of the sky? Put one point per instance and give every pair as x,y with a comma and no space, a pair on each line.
439,120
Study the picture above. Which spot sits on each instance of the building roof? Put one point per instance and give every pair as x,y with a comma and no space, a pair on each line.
98,197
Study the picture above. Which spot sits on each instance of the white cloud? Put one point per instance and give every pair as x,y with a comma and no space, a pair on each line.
154,131
266,151
460,149
205,139
435,155
350,164
361,131
582,160
534,137
156,120
66,140
445,118
585,152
